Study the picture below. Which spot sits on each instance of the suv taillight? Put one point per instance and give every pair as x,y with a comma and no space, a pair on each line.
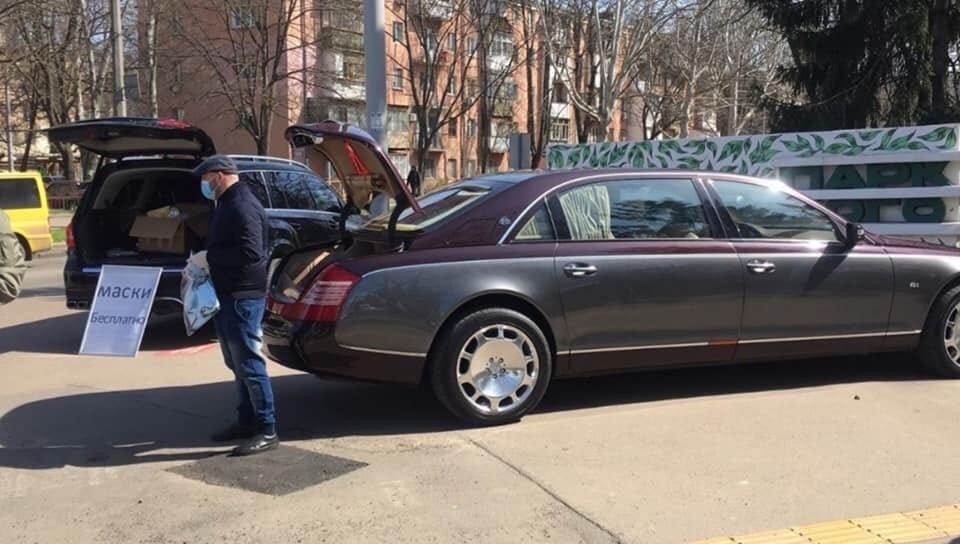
71,241
323,300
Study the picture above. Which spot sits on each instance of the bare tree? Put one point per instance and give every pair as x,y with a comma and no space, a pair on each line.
454,59
592,44
45,39
250,51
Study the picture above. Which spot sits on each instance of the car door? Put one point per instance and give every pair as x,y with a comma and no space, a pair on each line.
806,292
296,207
645,278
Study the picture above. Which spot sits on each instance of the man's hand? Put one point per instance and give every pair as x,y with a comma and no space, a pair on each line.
199,259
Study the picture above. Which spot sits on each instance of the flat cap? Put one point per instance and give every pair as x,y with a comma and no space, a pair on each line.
216,163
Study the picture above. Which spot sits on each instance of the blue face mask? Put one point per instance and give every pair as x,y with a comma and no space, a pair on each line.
207,190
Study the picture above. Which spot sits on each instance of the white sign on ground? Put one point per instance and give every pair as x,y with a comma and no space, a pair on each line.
120,309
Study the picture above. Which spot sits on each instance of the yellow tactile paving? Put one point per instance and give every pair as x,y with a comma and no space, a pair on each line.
945,518
785,536
896,528
838,532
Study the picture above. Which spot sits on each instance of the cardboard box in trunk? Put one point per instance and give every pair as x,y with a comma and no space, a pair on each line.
171,234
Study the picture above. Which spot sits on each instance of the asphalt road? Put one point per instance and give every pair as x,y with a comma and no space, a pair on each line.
116,450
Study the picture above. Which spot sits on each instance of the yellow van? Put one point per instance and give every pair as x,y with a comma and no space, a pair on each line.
24,198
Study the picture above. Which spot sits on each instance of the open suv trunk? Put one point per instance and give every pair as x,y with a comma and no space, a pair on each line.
143,208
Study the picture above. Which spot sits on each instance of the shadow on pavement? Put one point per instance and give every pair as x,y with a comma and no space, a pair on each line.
126,427
62,335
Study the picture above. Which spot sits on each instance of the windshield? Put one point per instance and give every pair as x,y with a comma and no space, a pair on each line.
435,207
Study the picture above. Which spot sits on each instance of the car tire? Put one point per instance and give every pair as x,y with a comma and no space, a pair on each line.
940,344
491,366
27,252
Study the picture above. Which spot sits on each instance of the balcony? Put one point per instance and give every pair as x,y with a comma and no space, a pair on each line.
398,139
437,9
499,144
502,107
345,89
334,39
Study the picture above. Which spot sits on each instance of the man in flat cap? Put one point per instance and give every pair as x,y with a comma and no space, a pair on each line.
237,259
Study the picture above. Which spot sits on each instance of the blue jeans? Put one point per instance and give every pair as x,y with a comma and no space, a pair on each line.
238,328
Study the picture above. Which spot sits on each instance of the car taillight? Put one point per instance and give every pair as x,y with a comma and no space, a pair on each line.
71,241
323,300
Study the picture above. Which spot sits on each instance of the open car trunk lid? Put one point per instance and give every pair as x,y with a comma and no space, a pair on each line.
119,137
364,169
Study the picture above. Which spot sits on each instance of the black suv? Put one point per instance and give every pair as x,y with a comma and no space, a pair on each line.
144,171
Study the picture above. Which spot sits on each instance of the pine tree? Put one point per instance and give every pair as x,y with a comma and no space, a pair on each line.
859,63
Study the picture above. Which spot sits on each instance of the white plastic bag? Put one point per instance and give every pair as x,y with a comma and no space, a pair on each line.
200,301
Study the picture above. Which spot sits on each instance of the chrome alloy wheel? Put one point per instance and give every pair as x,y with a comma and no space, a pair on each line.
951,334
497,369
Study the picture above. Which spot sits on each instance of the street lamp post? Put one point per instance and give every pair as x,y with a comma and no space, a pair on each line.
375,58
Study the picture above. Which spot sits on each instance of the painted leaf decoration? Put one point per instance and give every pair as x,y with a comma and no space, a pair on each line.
870,136
855,150
936,135
885,141
838,147
917,146
849,138
794,147
901,142
819,140
951,142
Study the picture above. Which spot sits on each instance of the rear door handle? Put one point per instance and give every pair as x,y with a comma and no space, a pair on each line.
579,270
761,267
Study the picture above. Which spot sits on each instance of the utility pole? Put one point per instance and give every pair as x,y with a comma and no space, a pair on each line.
375,58
119,94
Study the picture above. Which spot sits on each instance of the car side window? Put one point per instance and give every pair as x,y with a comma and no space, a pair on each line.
19,194
294,190
538,228
253,181
761,212
278,199
635,210
324,198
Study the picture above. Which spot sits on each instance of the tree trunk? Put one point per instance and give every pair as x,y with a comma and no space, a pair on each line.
940,30
28,146
151,60
733,119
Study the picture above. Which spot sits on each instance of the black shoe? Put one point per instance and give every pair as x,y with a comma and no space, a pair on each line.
258,444
233,432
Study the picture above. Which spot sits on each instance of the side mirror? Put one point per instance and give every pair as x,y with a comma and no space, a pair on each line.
854,234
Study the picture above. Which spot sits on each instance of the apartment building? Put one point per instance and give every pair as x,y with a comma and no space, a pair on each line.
472,62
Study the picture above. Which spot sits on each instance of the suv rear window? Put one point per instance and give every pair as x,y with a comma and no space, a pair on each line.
435,208
19,194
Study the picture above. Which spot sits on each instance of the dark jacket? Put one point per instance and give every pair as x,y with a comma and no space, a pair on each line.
413,179
12,262
237,245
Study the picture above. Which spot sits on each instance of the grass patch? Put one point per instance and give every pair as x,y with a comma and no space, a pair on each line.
59,235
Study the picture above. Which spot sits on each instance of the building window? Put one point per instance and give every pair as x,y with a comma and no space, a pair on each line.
398,79
179,114
452,85
242,17
325,20
452,169
559,130
471,46
452,127
429,169
471,168
452,43
399,33
398,120
353,69
559,93
501,46
471,128
493,165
